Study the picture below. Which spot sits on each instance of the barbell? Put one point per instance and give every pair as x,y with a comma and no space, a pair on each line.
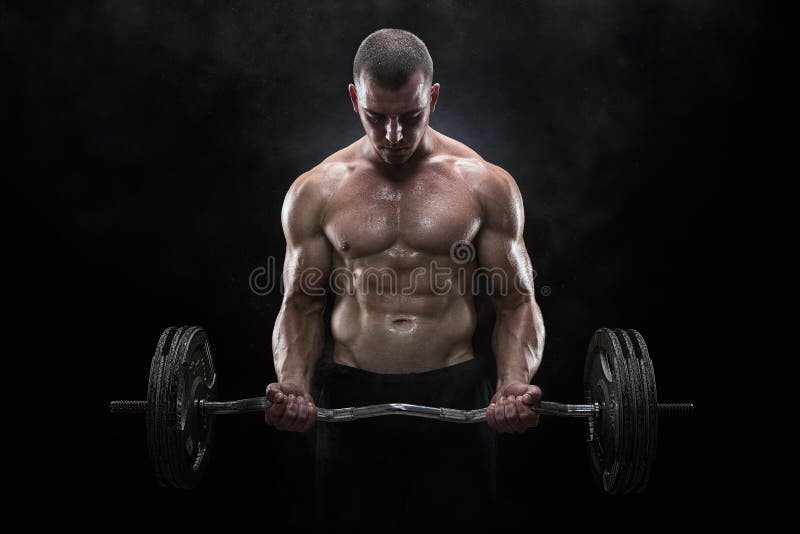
621,409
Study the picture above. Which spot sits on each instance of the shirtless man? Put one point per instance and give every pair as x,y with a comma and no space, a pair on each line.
399,201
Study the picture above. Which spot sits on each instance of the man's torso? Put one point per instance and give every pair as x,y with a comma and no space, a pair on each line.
404,299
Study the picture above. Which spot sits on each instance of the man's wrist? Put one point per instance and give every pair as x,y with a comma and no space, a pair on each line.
298,380
504,382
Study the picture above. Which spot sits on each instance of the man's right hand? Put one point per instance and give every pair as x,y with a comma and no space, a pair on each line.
292,408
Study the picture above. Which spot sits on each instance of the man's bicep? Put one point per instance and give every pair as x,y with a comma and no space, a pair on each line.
308,251
505,263
307,265
501,248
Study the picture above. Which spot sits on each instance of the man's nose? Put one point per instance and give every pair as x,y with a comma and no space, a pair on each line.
394,132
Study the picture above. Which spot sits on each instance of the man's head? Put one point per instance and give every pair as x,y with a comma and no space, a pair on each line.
392,92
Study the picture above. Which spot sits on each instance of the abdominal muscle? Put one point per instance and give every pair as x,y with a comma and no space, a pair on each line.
403,334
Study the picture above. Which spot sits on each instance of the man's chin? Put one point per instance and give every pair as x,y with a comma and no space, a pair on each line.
395,162
396,159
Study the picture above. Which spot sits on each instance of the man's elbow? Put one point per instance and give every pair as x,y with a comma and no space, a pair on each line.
516,303
523,311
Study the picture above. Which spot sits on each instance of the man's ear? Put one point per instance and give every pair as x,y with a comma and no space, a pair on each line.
353,96
434,96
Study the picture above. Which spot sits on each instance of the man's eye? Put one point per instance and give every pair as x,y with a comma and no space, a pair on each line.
413,117
373,118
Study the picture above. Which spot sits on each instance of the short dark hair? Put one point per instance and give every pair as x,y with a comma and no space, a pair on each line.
391,56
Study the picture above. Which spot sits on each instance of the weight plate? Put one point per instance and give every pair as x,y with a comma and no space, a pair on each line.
651,406
195,380
638,431
628,425
604,378
179,436
168,406
154,412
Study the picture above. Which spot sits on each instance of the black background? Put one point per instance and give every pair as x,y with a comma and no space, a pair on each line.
157,142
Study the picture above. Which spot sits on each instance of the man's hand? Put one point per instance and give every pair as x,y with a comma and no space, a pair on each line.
508,410
292,408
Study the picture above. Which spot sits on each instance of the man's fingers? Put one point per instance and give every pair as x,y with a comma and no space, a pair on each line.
274,414
490,419
512,415
275,395
533,394
290,409
491,415
500,416
290,415
512,411
302,415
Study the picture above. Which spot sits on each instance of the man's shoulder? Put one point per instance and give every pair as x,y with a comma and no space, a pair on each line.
481,176
494,188
467,160
324,178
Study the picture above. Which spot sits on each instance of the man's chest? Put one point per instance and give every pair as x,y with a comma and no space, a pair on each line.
425,214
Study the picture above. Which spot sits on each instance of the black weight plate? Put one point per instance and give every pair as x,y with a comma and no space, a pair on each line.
179,437
154,412
169,453
651,402
195,379
604,377
638,432
628,425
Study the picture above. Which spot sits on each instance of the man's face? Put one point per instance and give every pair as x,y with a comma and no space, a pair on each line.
395,121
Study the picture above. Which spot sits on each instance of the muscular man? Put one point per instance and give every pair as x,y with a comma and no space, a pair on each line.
398,225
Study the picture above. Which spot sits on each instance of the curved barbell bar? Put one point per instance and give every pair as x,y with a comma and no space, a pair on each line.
335,415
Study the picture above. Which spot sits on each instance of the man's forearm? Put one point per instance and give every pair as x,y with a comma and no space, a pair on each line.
298,341
518,341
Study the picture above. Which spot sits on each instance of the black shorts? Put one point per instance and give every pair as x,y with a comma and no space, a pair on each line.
393,470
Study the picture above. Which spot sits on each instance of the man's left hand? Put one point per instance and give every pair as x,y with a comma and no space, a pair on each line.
508,410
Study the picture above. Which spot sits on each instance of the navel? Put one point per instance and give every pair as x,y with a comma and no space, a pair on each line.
402,324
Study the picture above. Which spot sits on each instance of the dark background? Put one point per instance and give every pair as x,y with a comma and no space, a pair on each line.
156,143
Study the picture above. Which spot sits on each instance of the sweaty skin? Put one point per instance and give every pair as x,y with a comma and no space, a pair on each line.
395,224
